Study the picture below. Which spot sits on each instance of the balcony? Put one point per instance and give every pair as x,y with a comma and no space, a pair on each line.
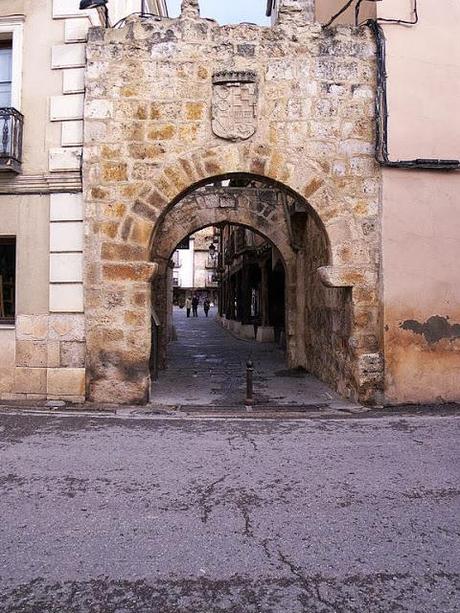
11,126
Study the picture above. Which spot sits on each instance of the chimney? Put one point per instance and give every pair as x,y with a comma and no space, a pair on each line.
291,10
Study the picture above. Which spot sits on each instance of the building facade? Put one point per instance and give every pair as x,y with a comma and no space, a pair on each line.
42,327
195,266
252,283
357,191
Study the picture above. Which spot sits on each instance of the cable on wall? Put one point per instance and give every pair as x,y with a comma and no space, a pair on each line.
381,106
381,103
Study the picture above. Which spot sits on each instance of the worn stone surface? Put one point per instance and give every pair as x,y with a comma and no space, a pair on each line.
151,85
45,343
66,382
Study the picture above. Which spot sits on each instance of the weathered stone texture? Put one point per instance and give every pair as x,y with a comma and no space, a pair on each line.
45,344
149,141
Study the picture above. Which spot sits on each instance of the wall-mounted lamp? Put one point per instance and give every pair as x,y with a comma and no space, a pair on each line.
95,4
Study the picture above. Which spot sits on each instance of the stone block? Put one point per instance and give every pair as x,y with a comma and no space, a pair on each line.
72,133
122,252
64,108
142,271
73,81
67,8
6,380
33,354
54,354
72,354
65,382
32,327
161,132
66,207
66,267
114,171
99,109
76,30
62,159
66,298
67,327
66,236
30,380
68,56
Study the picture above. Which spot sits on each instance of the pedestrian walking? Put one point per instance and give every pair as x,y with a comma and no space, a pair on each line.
206,306
188,305
195,303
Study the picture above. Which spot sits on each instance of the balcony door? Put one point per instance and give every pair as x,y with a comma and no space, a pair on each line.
6,63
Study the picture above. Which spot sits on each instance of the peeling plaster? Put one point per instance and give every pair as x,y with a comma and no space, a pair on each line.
434,329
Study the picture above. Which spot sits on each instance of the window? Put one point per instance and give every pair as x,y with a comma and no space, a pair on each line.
184,244
11,39
6,72
176,259
7,280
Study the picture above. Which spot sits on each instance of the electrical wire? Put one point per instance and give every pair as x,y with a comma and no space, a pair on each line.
342,10
349,3
381,107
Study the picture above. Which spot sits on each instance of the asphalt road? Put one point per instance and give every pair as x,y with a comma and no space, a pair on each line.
200,516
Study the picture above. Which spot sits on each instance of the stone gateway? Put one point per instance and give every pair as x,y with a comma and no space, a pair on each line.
290,107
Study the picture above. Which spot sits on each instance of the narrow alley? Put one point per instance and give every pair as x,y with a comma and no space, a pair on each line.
207,366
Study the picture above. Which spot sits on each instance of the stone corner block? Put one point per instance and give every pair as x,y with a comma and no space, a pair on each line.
65,382
69,327
30,380
32,327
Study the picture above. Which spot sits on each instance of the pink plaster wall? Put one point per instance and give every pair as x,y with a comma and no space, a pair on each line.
421,209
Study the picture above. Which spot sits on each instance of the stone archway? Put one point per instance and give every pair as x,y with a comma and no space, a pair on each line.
257,209
119,268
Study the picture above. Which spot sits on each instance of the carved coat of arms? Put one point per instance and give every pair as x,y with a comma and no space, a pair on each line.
234,105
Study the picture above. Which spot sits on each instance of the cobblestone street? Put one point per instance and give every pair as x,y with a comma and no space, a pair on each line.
207,366
113,515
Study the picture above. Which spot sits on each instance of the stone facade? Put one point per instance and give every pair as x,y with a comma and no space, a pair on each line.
149,141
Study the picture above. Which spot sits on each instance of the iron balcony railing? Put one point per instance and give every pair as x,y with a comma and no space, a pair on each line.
11,127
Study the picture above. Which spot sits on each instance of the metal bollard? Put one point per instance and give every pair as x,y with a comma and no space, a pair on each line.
249,382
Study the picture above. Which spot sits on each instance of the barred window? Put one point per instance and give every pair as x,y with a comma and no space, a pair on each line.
7,280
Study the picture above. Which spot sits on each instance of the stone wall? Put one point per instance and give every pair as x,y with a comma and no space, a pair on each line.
170,105
328,315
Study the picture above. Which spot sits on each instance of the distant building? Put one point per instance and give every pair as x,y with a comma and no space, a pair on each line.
252,286
195,264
